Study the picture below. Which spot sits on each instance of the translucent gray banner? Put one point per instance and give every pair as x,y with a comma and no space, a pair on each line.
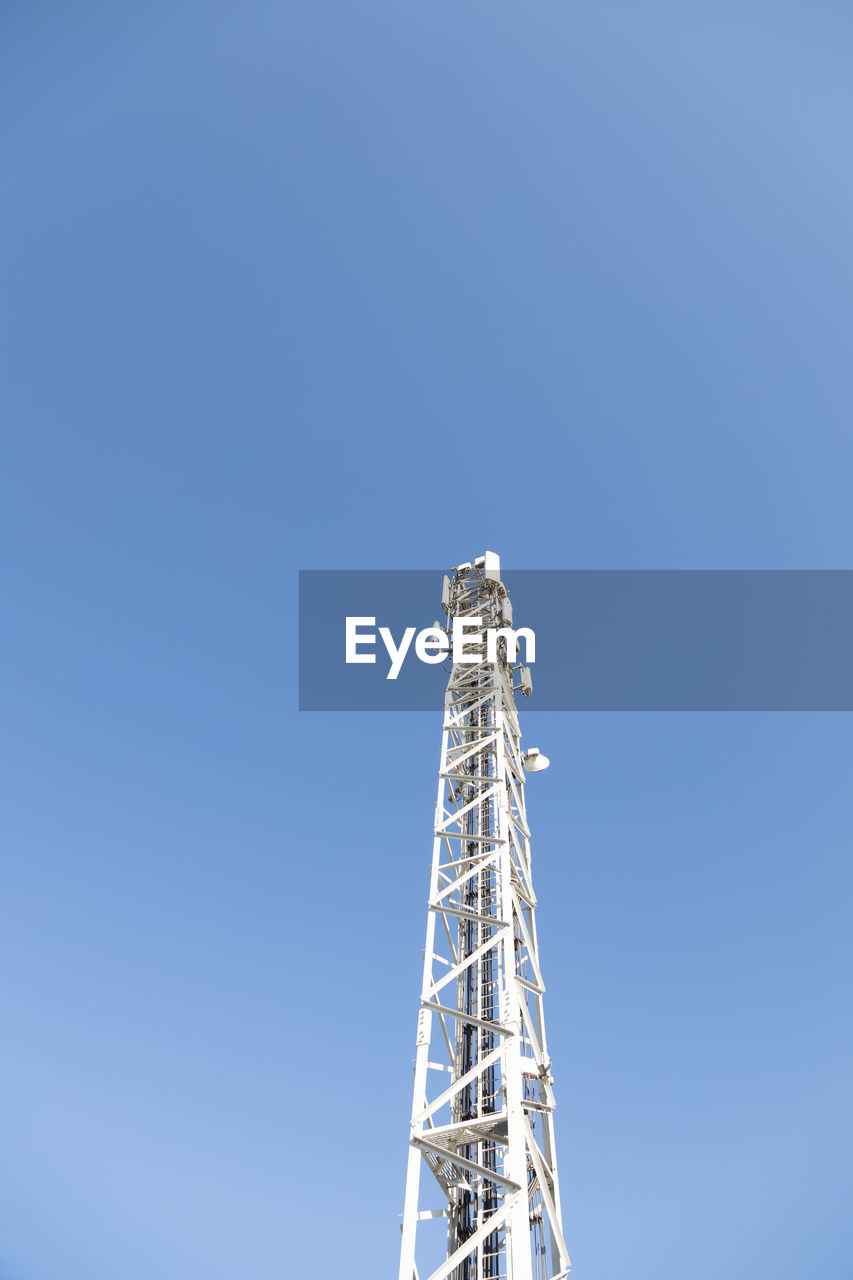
606,640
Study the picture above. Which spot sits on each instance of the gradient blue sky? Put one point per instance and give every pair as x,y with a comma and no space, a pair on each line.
381,285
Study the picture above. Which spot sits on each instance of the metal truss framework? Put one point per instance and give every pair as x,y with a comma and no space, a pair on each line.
482,1130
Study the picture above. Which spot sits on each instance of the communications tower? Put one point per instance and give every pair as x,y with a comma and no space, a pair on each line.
482,1133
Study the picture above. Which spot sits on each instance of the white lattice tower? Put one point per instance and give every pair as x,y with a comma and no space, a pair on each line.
482,1132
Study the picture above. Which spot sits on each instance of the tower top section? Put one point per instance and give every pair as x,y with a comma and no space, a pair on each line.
488,564
476,589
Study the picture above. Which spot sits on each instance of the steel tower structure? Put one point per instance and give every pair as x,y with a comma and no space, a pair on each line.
482,1130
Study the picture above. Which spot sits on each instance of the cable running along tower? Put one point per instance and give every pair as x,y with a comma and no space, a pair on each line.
482,1134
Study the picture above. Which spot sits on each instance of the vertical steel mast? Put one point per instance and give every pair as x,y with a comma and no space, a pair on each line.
482,1132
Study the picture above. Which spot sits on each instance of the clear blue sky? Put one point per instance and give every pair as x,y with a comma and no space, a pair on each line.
381,285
